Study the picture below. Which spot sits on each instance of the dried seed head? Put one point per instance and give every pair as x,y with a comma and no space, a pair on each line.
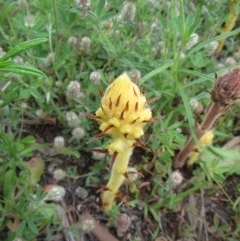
176,178
87,224
78,133
72,119
84,45
98,155
194,38
123,222
212,46
123,110
135,75
54,192
73,90
85,4
59,174
95,77
230,61
227,88
72,41
59,142
2,52
196,105
29,21
128,12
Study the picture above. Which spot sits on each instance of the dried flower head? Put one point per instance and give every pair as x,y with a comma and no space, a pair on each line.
73,90
29,21
135,75
196,105
176,178
59,174
54,192
230,61
123,110
2,52
87,224
72,119
59,142
78,133
85,4
72,41
123,222
95,77
227,88
84,45
128,12
194,38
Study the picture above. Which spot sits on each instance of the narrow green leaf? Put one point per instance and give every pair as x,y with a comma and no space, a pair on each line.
155,72
100,7
22,47
4,63
217,38
19,69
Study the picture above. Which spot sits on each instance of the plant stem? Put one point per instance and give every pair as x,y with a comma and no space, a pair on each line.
214,111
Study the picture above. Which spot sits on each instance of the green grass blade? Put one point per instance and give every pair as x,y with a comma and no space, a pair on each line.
18,69
217,38
155,72
22,47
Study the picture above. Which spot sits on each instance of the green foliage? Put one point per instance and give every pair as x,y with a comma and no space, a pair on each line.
41,53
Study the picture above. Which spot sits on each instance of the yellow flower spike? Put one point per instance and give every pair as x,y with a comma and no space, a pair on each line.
123,108
204,141
230,22
123,115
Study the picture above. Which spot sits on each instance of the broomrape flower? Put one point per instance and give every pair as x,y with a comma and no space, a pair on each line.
226,91
122,115
227,88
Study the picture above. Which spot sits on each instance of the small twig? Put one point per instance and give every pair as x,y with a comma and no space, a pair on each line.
101,233
65,223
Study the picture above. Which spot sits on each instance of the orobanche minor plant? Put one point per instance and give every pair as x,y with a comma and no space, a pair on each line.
122,115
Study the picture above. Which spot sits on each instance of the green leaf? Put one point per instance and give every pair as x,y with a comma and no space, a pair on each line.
100,7
155,72
32,226
217,38
5,63
22,47
19,69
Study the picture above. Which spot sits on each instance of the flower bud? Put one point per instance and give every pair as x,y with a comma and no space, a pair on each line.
227,88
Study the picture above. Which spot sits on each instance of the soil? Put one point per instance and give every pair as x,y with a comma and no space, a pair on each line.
198,217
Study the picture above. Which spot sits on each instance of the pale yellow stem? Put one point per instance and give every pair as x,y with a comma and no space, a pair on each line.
119,169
